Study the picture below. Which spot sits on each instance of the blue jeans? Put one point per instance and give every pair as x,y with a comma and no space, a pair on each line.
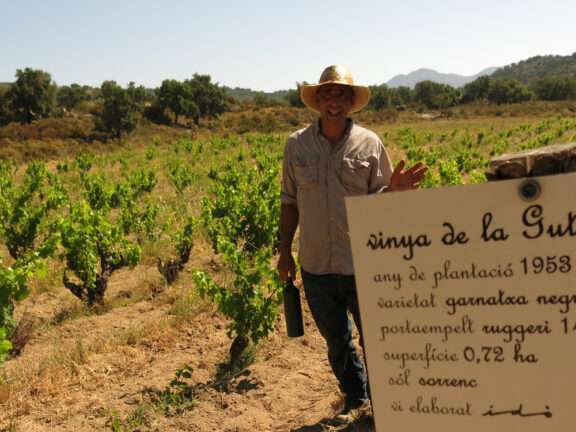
330,297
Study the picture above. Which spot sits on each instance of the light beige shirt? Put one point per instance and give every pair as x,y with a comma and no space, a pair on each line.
316,177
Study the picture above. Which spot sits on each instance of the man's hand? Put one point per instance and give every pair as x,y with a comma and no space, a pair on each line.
286,266
409,179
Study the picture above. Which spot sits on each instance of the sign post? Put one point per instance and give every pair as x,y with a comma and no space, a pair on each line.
468,303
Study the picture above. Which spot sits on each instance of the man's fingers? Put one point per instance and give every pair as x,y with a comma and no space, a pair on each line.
399,167
418,167
420,173
408,179
422,169
416,173
286,273
286,268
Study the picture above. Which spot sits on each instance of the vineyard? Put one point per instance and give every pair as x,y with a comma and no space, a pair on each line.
138,289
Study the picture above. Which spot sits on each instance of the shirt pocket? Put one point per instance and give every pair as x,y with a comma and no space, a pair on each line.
355,175
306,175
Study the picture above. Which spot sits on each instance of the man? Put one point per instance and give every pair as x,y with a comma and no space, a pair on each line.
323,163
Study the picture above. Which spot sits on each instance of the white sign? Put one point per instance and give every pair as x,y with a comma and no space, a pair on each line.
468,303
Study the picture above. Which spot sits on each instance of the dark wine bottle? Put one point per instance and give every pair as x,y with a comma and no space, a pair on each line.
293,310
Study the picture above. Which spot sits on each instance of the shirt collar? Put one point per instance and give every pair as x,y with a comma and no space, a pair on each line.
346,133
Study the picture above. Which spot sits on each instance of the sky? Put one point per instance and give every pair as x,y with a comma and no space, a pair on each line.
267,45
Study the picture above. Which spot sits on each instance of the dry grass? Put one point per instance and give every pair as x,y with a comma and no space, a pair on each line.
47,376
60,137
187,306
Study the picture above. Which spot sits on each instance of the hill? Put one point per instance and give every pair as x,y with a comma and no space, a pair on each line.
538,67
455,80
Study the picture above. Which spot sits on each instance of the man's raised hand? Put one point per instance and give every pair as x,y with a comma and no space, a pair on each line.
406,179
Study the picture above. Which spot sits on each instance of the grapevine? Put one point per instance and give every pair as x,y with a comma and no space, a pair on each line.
94,248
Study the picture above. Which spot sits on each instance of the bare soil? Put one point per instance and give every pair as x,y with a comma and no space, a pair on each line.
96,372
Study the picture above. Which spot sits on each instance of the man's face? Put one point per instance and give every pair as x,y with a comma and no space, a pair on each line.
334,101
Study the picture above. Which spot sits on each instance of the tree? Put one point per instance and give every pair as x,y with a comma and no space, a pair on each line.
121,108
209,98
5,114
508,91
194,98
555,88
264,100
32,96
389,97
476,90
71,96
434,95
176,97
293,96
402,95
139,95
381,97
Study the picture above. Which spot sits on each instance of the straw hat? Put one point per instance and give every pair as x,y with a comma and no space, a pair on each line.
335,75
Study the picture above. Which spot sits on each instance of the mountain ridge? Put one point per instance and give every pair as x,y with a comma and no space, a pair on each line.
540,66
427,74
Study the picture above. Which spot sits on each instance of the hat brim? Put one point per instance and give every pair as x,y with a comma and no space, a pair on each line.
308,95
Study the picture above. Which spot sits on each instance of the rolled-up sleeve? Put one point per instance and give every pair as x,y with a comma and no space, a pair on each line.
381,171
288,189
